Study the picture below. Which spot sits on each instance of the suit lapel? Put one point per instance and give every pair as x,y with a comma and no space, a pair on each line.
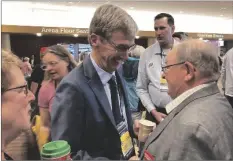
98,88
210,90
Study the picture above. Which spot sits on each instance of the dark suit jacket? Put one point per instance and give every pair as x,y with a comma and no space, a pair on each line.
81,114
200,128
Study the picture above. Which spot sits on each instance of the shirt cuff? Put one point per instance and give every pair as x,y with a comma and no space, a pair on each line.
150,108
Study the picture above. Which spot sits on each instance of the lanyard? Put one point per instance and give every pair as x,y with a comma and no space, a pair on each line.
162,54
121,97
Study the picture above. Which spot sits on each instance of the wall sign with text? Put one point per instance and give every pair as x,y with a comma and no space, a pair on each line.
63,30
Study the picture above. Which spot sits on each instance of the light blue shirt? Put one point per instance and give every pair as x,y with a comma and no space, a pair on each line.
105,77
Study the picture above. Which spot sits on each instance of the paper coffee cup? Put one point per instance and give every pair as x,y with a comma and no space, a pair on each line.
56,150
145,128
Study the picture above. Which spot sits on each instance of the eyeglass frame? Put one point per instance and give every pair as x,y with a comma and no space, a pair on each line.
26,91
115,46
165,68
128,50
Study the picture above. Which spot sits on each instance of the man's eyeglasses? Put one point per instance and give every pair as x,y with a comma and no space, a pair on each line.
19,87
165,68
121,48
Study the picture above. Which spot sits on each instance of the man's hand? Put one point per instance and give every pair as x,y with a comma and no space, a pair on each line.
158,116
136,127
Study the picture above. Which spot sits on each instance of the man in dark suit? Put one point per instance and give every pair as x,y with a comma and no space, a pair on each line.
91,109
200,119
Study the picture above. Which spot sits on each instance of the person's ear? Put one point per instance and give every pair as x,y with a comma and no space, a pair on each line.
173,29
94,40
190,71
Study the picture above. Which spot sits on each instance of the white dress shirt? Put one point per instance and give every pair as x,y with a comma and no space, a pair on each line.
178,100
149,88
227,73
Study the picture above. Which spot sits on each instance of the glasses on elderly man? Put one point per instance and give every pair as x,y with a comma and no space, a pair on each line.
165,68
19,87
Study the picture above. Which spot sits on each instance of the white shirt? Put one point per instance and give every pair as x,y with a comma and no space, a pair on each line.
178,100
227,73
149,89
105,77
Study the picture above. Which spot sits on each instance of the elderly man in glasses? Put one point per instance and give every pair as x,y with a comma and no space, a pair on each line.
90,109
200,119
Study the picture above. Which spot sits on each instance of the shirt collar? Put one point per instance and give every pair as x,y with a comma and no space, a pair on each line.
104,76
158,49
178,100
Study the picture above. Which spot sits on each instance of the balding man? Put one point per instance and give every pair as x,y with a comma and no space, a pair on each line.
200,119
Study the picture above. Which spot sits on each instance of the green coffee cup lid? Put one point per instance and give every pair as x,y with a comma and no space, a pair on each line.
55,149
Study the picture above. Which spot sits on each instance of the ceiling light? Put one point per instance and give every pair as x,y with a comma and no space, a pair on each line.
70,2
221,15
200,38
38,34
223,8
137,37
75,35
220,39
131,8
181,12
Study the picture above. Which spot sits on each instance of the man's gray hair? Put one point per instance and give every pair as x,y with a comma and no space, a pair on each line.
110,18
203,55
137,51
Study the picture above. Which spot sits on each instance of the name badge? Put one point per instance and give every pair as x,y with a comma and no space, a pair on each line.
126,140
163,85
163,81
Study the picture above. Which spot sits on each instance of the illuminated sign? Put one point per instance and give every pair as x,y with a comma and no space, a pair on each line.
63,30
211,36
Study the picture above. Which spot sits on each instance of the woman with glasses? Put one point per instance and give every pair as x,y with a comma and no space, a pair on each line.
16,99
57,63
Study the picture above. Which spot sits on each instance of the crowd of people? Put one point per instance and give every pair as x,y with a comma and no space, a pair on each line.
95,105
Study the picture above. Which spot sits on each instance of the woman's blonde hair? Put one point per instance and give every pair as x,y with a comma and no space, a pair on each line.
63,54
9,60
